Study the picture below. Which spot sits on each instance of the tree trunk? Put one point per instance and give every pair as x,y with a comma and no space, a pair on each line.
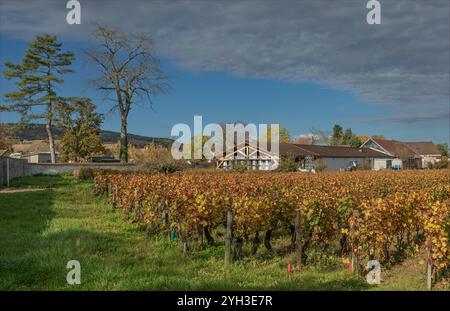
293,237
124,141
255,244
51,141
208,237
238,248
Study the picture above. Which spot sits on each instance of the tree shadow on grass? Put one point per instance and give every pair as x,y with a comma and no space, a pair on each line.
43,181
34,256
23,218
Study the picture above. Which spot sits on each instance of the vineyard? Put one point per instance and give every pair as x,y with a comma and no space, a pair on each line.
360,215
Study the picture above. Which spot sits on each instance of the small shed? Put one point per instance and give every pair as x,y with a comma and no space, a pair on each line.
39,157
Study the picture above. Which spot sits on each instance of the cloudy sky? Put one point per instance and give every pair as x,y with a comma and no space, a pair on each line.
303,64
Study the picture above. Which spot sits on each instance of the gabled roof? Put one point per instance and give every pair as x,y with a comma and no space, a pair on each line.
423,147
304,140
294,149
330,151
396,148
253,150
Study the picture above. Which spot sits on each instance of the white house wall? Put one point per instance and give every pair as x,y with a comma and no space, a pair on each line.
432,159
380,164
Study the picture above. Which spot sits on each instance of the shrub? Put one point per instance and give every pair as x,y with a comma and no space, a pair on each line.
439,165
157,158
84,173
319,166
288,164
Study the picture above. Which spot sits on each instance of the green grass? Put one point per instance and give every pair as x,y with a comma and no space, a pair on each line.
42,181
41,231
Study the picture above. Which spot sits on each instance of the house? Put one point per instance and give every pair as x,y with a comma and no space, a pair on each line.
39,157
249,156
374,154
428,152
333,158
408,155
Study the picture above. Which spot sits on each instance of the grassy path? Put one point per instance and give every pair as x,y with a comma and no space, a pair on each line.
42,230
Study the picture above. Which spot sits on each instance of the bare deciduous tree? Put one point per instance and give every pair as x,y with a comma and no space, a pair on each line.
130,72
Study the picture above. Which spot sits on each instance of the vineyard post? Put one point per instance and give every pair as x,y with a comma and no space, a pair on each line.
229,237
429,265
298,238
166,223
114,196
136,203
356,264
352,262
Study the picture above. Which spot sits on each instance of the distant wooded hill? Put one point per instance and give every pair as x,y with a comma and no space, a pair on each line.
37,132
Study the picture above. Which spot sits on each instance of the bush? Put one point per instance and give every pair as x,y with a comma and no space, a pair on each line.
157,158
167,168
363,167
319,166
439,165
238,165
288,164
84,173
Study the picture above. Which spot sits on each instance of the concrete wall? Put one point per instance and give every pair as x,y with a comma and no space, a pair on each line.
55,169
20,168
15,168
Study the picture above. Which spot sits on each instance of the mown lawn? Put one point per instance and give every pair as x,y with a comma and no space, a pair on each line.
42,230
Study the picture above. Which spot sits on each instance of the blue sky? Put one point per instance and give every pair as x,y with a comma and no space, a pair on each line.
391,81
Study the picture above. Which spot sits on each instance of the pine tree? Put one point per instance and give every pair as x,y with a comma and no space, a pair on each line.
336,139
81,125
40,71
6,134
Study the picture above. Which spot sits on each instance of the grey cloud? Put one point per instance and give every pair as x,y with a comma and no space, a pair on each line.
403,62
415,119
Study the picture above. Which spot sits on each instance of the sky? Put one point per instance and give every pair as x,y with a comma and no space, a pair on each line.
303,64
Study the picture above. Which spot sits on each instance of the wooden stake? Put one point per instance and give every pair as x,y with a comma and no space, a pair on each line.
429,266
229,237
298,238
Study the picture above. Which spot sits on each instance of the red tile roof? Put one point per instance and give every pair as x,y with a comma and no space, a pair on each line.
423,147
407,150
329,151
